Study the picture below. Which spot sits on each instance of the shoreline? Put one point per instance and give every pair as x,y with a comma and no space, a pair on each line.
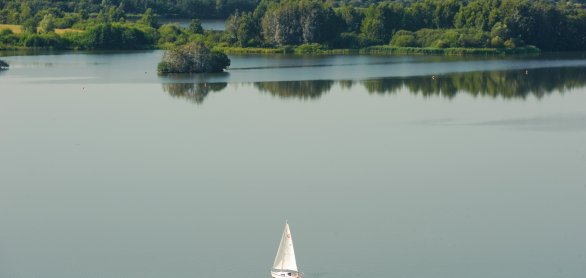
381,50
316,50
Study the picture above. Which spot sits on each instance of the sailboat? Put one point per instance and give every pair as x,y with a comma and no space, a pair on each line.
285,265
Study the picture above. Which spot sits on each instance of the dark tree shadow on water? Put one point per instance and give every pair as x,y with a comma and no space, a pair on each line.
513,84
508,85
308,89
193,92
195,77
193,87
516,84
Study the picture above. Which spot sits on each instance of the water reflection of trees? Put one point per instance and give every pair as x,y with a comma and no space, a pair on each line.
308,89
505,84
195,92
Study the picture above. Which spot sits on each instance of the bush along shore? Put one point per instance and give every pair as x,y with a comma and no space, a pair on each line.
445,27
381,50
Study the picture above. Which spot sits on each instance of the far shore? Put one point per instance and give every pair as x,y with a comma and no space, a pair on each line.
380,50
307,49
372,50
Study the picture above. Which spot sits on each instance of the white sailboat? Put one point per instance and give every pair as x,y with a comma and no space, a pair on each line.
285,265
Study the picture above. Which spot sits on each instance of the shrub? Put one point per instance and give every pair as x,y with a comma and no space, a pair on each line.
510,43
310,48
352,40
47,24
114,36
427,37
441,38
67,20
496,41
48,40
473,38
7,37
171,33
194,57
500,30
195,26
404,38
449,38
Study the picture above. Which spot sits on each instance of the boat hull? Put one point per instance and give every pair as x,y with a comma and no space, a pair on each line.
285,274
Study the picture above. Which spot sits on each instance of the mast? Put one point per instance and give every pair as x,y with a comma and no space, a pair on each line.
284,232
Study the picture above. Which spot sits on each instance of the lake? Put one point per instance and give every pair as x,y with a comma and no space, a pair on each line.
384,166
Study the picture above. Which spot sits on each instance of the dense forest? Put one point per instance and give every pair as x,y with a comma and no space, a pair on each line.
426,23
302,25
19,10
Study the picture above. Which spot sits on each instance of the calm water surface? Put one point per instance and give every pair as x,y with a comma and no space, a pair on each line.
396,166
206,24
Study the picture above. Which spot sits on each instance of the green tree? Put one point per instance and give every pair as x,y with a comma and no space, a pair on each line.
195,26
350,17
444,13
29,26
113,36
248,32
25,12
281,24
403,38
419,15
171,33
102,18
149,19
47,24
296,22
373,25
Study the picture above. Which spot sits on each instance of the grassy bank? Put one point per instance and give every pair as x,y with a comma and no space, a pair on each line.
379,50
302,49
389,50
253,50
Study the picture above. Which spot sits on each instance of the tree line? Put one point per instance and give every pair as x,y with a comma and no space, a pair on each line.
94,33
18,11
308,25
549,25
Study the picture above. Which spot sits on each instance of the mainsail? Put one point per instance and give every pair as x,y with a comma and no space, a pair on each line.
285,259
